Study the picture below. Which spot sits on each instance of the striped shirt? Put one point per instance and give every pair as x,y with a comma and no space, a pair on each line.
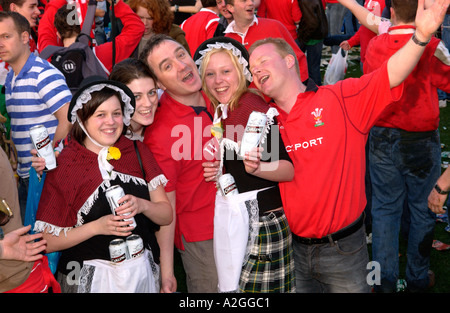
32,98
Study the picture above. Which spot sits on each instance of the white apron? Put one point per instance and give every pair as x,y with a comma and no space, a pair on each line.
137,275
236,220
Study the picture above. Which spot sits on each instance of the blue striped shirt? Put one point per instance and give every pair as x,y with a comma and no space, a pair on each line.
32,98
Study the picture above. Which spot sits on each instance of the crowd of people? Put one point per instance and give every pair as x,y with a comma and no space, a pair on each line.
167,122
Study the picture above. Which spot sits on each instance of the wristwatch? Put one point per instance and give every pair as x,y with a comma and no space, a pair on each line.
417,42
440,191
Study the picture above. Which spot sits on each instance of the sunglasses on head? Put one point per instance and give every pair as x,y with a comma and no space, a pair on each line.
5,212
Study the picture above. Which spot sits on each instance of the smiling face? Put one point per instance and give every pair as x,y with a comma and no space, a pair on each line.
146,96
105,126
29,10
266,65
175,69
221,77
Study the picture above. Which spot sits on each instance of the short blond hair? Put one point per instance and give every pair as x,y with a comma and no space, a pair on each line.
282,47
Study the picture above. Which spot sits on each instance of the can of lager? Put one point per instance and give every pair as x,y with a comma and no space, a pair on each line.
113,195
118,250
254,130
227,185
135,246
42,143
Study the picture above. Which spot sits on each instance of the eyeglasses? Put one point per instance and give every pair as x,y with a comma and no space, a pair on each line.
5,212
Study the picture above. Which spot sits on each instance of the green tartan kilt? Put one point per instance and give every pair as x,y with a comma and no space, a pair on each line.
270,267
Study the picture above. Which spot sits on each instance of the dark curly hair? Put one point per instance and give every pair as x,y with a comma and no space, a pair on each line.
159,10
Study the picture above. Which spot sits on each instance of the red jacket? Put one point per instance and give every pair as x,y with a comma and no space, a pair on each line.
126,41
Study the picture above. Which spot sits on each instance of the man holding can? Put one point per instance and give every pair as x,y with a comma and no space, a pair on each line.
35,92
325,131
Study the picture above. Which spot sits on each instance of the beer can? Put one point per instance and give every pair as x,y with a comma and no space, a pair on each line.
253,132
113,195
42,143
227,185
118,250
135,246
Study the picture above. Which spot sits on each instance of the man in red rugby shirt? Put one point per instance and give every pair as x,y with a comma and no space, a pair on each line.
179,138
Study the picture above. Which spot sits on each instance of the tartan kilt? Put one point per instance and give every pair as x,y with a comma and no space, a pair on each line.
270,266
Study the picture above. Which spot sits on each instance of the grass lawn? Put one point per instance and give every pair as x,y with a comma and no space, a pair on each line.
440,260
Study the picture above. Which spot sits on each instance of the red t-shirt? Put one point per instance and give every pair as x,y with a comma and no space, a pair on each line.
286,11
199,27
418,109
325,135
262,28
178,139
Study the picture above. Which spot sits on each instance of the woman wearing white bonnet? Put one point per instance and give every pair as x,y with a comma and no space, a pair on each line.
74,214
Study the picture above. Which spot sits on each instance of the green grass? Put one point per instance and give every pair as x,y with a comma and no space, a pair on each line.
440,260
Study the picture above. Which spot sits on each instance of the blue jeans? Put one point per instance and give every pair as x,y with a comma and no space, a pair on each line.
332,267
404,167
313,58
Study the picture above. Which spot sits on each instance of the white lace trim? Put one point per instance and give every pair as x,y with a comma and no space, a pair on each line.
228,46
40,226
85,97
253,227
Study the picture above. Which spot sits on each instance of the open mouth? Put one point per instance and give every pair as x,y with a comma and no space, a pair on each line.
264,79
145,112
187,77
222,89
111,131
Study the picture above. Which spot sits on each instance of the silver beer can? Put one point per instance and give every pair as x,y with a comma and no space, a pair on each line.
43,144
113,195
135,246
254,130
118,250
227,185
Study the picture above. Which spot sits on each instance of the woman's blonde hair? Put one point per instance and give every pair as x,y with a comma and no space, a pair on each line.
242,85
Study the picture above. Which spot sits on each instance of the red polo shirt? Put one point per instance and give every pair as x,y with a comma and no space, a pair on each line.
325,135
179,140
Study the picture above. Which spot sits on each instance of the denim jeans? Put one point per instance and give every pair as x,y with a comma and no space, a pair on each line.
404,167
313,58
339,266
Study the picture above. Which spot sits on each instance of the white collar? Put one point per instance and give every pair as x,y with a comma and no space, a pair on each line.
230,27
